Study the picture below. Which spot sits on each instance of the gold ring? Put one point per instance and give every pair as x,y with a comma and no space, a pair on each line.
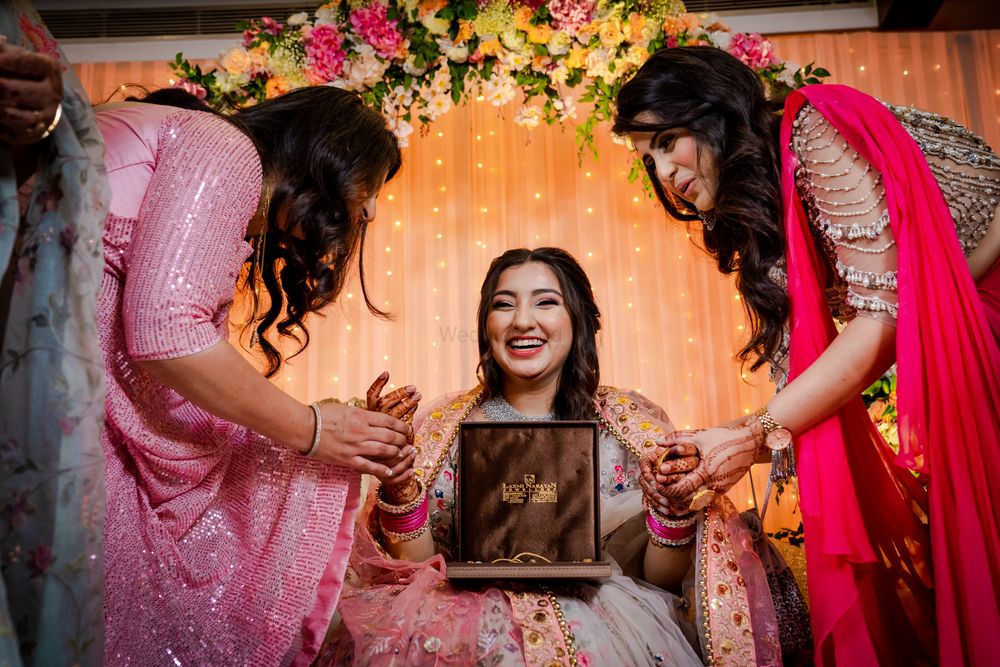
702,499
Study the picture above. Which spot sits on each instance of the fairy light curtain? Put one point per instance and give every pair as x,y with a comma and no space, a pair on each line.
476,185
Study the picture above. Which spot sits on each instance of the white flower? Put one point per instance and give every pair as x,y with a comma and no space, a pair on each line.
514,60
229,83
513,39
401,129
598,61
637,55
434,25
721,39
326,15
410,67
456,54
787,74
566,107
438,106
298,19
500,89
364,69
528,117
559,43
410,6
559,74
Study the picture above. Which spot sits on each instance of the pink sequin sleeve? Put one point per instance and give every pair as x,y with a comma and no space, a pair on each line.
188,245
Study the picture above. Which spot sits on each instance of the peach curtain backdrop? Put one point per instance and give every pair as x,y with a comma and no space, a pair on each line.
476,185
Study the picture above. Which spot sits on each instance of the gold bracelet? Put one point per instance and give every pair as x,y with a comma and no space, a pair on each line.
52,126
406,537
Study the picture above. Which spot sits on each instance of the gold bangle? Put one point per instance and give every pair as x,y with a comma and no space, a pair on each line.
402,509
52,126
406,537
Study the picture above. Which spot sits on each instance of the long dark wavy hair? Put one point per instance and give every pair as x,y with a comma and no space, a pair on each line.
721,102
581,374
323,154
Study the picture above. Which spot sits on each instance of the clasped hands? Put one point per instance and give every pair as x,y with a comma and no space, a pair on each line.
30,92
689,467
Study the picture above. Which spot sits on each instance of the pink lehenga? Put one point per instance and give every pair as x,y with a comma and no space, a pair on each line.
216,538
404,613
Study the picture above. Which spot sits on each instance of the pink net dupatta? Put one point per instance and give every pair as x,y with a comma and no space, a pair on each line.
870,590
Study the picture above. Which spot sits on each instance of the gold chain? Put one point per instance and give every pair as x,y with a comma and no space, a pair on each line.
568,637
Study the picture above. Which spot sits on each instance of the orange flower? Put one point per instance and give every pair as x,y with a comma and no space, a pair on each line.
539,63
539,34
691,21
635,28
430,6
276,85
577,57
490,47
465,31
673,25
522,18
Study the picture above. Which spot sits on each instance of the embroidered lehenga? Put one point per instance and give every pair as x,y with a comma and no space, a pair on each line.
403,613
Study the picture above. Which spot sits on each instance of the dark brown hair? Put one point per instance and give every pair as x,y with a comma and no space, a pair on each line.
721,102
323,153
581,374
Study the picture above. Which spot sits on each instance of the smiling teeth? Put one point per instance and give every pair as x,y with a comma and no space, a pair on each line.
526,344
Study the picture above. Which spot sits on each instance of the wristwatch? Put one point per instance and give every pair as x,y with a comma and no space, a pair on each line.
776,436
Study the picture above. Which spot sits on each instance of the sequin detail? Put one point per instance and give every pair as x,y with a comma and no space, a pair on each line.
216,538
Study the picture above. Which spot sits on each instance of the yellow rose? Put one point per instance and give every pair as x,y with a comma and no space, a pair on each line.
436,26
236,61
577,58
539,34
611,33
465,31
490,47
522,17
276,85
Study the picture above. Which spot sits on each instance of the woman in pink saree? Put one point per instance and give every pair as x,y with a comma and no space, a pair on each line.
839,206
537,339
230,502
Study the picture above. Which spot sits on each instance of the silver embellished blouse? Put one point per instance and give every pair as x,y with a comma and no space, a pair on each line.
845,203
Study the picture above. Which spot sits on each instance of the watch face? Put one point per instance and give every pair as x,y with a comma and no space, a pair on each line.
778,439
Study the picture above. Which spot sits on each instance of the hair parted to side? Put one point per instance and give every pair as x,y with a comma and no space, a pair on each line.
581,374
323,154
721,102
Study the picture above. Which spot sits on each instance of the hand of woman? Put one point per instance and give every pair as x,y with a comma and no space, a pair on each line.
30,93
663,466
727,453
369,442
400,404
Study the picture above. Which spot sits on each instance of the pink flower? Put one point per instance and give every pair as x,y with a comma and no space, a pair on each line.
755,51
671,42
249,36
324,55
568,15
194,88
39,38
372,25
40,559
271,26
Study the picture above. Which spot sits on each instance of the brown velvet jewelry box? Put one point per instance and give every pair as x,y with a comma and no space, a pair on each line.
528,501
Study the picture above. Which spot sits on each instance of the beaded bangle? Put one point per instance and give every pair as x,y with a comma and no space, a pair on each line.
670,532
317,433
399,510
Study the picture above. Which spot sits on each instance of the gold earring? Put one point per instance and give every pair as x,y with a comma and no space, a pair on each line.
258,272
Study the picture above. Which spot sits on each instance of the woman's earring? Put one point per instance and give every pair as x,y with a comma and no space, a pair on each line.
707,219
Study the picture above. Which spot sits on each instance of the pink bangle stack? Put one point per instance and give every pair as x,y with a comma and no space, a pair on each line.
671,531
402,523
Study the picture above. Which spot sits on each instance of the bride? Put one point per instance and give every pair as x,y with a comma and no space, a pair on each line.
537,340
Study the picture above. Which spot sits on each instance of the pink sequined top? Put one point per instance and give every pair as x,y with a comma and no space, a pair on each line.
217,539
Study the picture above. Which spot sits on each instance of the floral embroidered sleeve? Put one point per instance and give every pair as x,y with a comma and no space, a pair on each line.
845,201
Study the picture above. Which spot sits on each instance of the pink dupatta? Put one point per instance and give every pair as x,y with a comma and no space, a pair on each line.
869,583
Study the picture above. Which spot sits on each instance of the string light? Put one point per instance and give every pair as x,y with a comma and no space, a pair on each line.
439,162
390,197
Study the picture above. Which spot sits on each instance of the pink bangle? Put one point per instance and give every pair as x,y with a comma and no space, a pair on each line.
667,532
405,527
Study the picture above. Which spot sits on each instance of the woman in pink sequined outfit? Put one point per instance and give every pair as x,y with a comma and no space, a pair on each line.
219,530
